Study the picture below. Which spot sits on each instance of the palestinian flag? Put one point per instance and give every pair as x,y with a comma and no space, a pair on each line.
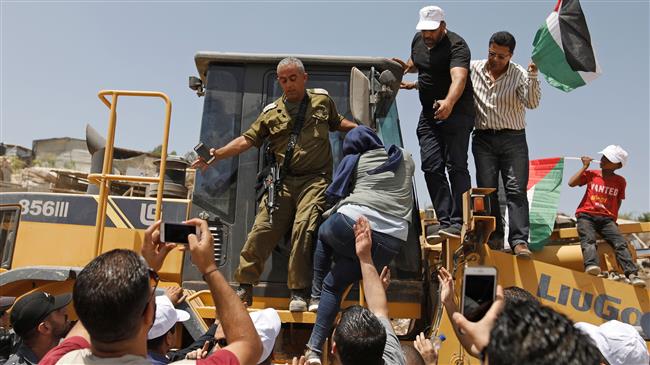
544,182
562,48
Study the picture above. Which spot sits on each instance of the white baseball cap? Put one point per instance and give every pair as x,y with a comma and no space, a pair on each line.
267,323
619,342
615,154
430,18
166,317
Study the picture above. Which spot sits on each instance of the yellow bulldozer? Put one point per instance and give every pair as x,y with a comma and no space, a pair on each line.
47,238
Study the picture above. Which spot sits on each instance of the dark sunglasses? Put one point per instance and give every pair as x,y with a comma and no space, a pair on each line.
153,283
222,342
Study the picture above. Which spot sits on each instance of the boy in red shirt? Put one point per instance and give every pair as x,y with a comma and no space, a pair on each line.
598,211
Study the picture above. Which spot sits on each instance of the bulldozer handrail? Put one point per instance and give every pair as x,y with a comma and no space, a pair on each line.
104,179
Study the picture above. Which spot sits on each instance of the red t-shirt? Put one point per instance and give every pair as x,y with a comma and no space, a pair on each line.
68,345
221,357
604,194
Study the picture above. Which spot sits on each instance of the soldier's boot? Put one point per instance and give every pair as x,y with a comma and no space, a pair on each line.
298,300
245,293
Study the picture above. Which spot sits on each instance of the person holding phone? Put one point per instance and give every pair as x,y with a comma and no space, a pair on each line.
304,177
122,282
525,333
447,299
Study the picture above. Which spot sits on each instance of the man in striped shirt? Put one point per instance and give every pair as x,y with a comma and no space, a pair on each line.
502,91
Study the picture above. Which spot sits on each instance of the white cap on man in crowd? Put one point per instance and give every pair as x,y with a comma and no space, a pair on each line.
430,18
618,342
615,154
166,317
267,323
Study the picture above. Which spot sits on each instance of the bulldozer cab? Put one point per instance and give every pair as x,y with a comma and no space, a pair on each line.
235,88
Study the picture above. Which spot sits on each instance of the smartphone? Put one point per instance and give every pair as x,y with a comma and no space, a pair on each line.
204,153
479,291
177,232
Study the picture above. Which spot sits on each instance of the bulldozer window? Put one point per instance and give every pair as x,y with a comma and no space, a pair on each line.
216,188
9,217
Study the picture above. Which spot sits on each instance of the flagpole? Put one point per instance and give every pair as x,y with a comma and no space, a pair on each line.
580,159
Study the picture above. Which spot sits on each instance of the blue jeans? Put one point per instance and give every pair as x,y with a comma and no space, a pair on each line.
443,150
336,238
504,152
588,226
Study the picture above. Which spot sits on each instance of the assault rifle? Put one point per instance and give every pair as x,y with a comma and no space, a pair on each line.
272,184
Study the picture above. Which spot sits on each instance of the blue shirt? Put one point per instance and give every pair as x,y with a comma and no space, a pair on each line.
157,359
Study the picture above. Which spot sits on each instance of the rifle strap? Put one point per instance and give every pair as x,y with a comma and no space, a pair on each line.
293,137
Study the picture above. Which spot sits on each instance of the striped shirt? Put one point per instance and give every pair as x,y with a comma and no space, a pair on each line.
500,104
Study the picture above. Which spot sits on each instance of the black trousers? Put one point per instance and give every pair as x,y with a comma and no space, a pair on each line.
504,153
443,150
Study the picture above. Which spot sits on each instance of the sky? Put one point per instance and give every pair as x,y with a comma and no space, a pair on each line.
56,55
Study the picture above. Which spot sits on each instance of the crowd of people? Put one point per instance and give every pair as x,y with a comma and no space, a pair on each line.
358,217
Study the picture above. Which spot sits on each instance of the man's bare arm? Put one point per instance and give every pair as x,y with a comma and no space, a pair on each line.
346,125
233,148
448,300
458,80
577,177
408,66
372,286
243,340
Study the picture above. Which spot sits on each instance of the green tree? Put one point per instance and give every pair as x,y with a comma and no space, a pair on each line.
158,150
644,217
629,216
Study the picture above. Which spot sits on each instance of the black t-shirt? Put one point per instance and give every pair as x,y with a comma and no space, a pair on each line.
433,67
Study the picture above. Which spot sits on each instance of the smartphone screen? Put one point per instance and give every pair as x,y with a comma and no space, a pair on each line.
478,295
203,152
176,232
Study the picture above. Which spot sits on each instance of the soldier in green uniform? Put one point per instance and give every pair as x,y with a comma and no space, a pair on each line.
301,197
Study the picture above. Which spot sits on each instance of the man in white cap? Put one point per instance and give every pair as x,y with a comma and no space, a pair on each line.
160,338
598,211
442,60
618,342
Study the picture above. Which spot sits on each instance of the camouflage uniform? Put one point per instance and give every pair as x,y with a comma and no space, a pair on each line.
301,199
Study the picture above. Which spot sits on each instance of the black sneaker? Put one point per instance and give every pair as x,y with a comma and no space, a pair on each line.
298,301
432,234
245,293
451,231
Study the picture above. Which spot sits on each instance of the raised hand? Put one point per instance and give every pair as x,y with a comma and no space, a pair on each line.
175,294
426,349
154,251
446,286
478,333
202,248
363,238
385,277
